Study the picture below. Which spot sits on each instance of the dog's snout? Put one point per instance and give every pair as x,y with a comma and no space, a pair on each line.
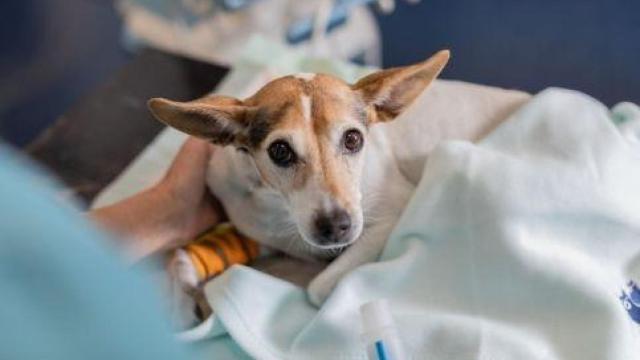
333,227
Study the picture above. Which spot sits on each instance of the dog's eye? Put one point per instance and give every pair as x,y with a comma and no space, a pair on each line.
281,154
352,141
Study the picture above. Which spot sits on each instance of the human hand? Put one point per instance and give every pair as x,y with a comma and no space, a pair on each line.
170,213
184,192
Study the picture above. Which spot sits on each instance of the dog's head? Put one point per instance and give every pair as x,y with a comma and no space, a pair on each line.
306,134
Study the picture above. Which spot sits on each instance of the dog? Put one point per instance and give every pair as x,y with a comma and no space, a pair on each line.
319,168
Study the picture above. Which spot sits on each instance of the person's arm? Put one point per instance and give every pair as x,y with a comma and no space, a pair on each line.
169,213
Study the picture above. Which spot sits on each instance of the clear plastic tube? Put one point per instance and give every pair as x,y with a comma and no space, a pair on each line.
380,335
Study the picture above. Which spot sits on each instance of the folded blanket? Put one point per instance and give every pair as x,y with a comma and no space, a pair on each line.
524,246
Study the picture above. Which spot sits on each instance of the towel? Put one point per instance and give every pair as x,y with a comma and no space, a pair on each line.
523,246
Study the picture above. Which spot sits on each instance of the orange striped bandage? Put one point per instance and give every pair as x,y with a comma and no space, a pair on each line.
219,248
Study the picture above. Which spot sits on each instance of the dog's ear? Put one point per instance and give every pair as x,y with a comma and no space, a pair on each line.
387,93
219,119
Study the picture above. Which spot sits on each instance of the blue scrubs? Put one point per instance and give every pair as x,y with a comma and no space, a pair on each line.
64,292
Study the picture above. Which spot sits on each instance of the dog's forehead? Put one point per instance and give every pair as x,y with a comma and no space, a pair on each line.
311,101
290,88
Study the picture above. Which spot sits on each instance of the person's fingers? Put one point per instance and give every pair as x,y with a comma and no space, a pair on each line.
184,189
191,161
209,213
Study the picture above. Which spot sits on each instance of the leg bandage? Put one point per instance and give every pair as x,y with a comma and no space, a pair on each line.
217,249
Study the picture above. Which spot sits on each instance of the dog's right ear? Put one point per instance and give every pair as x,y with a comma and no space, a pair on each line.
388,92
219,119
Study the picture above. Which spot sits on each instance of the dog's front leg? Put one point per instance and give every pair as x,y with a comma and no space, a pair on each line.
364,250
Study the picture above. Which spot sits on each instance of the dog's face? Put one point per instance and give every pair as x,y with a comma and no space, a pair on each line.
306,135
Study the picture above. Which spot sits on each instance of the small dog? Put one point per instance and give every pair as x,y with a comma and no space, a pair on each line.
316,167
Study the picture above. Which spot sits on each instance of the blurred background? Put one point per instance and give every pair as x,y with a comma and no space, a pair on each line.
54,51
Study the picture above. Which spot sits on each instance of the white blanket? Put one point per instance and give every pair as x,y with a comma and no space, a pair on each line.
520,247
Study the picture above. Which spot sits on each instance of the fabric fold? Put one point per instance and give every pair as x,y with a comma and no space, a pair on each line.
519,247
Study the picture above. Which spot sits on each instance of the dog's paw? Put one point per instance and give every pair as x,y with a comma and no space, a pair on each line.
182,270
183,281
319,290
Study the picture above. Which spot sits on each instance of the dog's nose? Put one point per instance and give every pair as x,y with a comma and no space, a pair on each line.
332,227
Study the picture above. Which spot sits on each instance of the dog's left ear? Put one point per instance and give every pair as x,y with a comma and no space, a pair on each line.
387,93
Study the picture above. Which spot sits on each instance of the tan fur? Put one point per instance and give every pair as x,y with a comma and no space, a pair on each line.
332,101
311,113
